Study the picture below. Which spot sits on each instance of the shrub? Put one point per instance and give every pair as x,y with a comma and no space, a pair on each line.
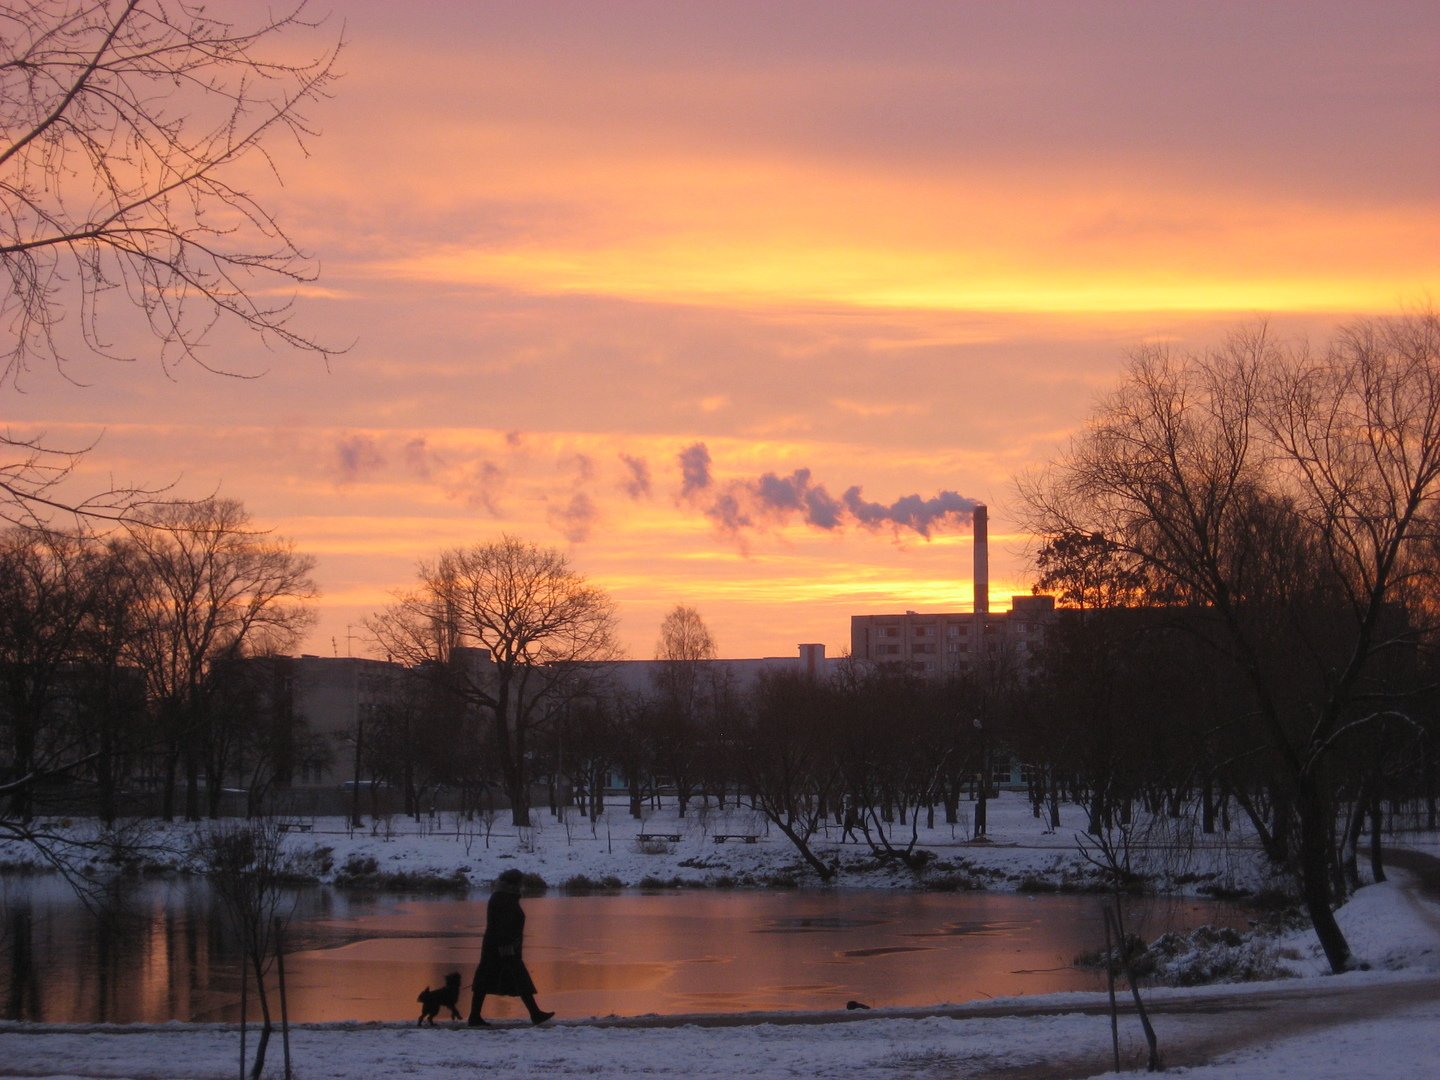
951,883
1212,955
308,866
363,872
357,866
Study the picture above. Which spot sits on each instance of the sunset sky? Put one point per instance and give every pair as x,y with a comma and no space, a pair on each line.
659,283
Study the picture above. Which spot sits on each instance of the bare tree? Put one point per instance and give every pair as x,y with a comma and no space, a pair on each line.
131,133
1288,494
43,608
221,589
676,709
886,780
786,758
246,866
684,637
511,627
69,710
32,478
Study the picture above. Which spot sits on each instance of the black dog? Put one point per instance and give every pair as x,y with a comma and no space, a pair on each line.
432,1001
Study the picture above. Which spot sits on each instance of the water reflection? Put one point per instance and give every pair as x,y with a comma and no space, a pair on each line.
161,950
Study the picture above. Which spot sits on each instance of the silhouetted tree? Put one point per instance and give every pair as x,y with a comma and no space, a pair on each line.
129,133
1283,491
785,755
245,864
680,701
511,628
221,589
44,601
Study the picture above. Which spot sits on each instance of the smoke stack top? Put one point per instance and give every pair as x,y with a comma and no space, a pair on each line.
982,559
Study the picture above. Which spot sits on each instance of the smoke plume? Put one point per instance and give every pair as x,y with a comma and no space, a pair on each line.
771,499
637,480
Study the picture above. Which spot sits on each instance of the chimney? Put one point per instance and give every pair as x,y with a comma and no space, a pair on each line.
981,519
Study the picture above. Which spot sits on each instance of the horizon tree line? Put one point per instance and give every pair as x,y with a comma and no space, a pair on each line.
120,655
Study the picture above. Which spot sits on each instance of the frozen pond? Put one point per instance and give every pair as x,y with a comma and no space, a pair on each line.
164,951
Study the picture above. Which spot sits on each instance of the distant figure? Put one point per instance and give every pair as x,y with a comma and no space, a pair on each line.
502,967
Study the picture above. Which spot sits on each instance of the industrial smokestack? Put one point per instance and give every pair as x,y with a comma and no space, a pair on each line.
982,560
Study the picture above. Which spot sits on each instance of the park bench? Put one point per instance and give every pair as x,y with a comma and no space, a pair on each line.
747,838
651,837
296,826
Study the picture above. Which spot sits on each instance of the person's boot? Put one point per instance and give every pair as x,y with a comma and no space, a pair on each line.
537,1015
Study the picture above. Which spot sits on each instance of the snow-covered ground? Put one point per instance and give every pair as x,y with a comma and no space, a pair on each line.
1384,1021
1019,850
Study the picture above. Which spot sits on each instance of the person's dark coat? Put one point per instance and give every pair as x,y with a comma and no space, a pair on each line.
502,966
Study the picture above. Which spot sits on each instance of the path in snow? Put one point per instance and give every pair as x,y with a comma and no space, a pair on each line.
1197,1030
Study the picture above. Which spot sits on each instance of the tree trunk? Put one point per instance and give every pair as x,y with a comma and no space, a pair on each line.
825,871
1350,844
21,804
167,795
263,1042
192,782
1377,863
105,767
214,789
1315,867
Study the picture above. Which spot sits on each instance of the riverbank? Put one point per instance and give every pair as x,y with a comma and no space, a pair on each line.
711,848
1384,1021
1388,1013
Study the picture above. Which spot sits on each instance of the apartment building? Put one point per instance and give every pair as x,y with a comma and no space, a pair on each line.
952,643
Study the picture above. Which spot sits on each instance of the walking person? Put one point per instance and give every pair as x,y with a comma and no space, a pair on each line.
502,966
